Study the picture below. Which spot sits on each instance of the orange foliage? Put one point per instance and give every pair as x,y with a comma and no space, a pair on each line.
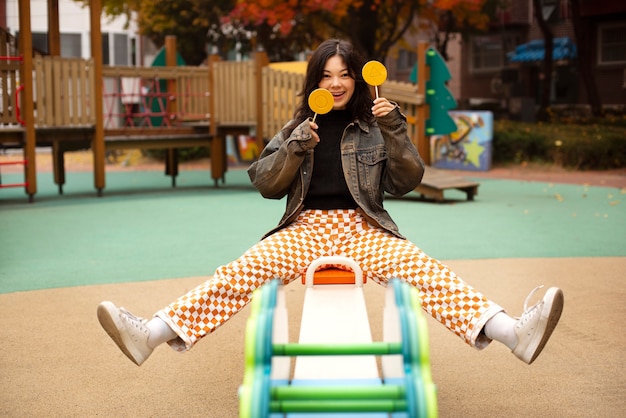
283,13
474,5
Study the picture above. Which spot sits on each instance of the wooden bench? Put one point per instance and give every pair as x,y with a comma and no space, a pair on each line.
436,182
169,139
174,138
67,139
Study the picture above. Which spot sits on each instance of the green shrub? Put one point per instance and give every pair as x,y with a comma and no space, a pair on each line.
577,146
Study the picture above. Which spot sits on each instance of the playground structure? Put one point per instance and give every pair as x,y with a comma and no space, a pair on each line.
169,107
335,371
70,104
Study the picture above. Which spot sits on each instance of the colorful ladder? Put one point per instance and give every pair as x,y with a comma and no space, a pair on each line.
406,389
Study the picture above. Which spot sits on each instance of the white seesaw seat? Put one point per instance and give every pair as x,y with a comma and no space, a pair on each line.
335,314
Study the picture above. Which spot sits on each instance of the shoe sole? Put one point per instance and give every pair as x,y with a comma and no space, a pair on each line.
551,312
115,328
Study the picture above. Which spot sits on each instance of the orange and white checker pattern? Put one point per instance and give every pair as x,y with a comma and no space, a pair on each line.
287,253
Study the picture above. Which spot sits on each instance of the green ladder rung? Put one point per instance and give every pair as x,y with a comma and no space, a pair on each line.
338,406
336,392
376,348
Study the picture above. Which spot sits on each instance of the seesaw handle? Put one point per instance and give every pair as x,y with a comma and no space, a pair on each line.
336,259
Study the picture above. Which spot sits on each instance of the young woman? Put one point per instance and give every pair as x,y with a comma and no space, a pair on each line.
335,172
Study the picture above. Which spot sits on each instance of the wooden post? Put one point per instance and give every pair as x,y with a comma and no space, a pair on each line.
261,60
171,154
218,146
171,61
423,111
54,31
213,58
54,49
98,136
28,108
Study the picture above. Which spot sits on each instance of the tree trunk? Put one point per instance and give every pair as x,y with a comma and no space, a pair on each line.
548,44
442,44
362,32
584,59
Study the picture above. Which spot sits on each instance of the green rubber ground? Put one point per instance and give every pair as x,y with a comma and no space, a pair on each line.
142,229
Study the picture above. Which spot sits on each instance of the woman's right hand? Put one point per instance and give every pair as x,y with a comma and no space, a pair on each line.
313,128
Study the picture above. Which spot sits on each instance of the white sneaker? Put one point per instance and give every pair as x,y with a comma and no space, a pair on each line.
536,324
129,332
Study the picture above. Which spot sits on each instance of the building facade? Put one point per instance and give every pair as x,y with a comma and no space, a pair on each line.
504,66
121,45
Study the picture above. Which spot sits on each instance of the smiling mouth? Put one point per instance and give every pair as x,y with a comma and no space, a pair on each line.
337,95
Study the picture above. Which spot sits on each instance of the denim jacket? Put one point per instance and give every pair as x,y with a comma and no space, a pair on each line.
377,158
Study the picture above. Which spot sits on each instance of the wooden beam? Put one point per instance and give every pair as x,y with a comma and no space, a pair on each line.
261,60
171,61
213,59
423,113
54,31
27,108
95,9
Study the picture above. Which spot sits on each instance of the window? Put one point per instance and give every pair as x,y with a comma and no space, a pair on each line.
554,11
120,49
70,45
488,53
406,60
548,8
133,52
106,57
40,42
612,44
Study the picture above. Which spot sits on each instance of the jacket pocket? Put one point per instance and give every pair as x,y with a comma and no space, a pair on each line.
371,166
372,156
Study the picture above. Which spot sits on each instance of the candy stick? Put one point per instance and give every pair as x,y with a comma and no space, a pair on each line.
321,101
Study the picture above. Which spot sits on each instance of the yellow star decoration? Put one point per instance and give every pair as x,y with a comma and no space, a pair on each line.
473,150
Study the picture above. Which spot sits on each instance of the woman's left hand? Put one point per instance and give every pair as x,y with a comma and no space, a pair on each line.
382,107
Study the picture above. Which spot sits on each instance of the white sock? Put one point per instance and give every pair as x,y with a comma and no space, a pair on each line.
501,327
160,332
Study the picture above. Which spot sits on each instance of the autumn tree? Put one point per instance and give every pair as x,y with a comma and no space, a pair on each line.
547,64
373,26
188,20
285,27
582,31
450,18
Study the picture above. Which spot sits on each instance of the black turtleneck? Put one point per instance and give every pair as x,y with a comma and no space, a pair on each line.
328,189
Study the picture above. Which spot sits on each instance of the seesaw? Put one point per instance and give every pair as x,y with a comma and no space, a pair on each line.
335,371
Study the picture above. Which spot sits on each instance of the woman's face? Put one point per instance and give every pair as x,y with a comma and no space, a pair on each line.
337,80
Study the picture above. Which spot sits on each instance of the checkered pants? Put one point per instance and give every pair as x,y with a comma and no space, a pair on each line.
287,253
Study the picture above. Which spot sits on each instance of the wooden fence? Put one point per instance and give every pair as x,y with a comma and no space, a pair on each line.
9,80
63,93
151,97
209,102
405,94
280,91
139,96
235,101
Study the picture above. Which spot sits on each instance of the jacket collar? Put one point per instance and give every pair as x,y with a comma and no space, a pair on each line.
364,126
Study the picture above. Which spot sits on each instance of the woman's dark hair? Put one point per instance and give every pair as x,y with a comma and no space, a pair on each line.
360,105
